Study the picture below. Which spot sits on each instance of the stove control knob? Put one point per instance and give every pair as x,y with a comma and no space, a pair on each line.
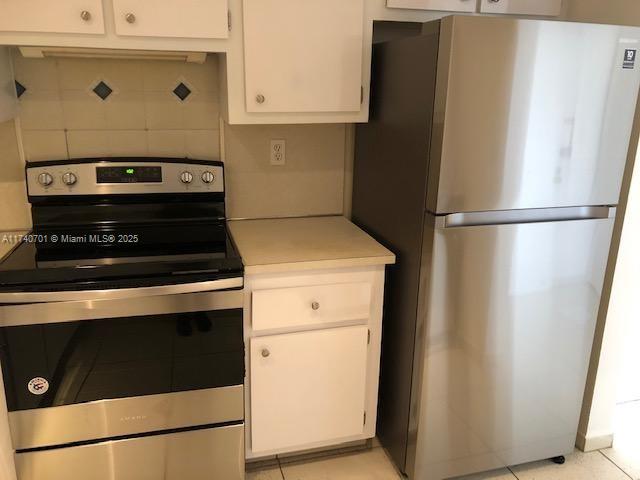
208,177
69,178
186,177
45,179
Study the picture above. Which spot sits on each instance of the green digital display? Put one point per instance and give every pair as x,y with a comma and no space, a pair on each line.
125,174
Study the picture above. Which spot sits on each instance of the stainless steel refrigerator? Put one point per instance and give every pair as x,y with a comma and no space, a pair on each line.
492,167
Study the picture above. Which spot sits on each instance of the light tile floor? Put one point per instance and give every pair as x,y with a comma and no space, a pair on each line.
622,462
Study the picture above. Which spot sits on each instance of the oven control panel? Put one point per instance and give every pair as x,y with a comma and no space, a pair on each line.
124,177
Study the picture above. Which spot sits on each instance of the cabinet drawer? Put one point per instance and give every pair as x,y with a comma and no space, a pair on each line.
440,5
63,16
522,7
310,305
307,387
172,18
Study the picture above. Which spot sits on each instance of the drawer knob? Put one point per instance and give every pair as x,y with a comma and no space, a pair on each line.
130,18
265,353
85,15
260,98
315,306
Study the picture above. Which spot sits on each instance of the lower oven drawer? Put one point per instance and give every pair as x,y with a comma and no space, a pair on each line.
47,427
208,454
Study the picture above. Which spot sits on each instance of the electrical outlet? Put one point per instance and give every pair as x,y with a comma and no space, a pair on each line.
278,152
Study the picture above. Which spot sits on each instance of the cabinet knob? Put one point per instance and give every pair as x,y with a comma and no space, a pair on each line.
315,306
260,98
265,353
130,18
85,15
494,1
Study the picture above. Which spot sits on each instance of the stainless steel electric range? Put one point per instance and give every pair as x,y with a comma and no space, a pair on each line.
121,324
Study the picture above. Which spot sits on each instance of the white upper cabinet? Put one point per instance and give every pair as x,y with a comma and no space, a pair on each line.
303,56
60,16
442,5
172,18
522,7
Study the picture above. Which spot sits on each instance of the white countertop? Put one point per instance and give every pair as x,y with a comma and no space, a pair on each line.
288,244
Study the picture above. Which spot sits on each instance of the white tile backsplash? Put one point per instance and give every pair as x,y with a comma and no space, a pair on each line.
82,111
167,143
62,117
128,142
44,144
41,110
125,110
163,112
204,144
87,143
310,183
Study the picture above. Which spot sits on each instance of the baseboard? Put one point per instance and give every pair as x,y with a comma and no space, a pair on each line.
589,444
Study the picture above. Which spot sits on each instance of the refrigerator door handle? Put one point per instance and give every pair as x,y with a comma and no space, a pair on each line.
535,215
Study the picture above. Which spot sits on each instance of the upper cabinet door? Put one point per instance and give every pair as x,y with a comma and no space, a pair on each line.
522,7
61,16
303,56
441,5
172,18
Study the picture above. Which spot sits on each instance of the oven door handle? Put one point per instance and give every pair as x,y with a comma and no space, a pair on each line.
120,293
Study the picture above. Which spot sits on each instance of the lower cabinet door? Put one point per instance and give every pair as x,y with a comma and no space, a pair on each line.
307,388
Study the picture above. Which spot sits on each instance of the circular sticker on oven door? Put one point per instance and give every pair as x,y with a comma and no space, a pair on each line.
38,385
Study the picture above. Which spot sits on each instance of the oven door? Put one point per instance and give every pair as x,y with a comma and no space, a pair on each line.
107,370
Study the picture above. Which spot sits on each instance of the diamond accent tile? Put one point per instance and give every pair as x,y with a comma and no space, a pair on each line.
102,90
182,91
20,89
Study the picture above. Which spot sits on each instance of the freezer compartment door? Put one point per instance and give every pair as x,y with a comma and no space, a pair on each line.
510,322
536,114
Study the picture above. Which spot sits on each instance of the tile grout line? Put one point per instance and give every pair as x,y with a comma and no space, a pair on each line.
280,467
513,473
615,464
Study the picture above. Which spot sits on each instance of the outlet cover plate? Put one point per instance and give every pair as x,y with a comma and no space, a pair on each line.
278,152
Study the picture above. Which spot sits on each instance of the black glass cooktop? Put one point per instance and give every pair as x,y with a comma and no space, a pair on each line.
116,257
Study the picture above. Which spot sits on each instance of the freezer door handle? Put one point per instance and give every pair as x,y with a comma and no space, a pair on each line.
534,215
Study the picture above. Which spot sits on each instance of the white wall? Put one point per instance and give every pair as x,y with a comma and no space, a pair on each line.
596,427
14,210
621,354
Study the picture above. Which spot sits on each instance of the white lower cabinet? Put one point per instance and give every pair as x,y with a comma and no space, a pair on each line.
313,358
307,387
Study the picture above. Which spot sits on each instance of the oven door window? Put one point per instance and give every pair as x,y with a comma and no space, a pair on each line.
68,363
